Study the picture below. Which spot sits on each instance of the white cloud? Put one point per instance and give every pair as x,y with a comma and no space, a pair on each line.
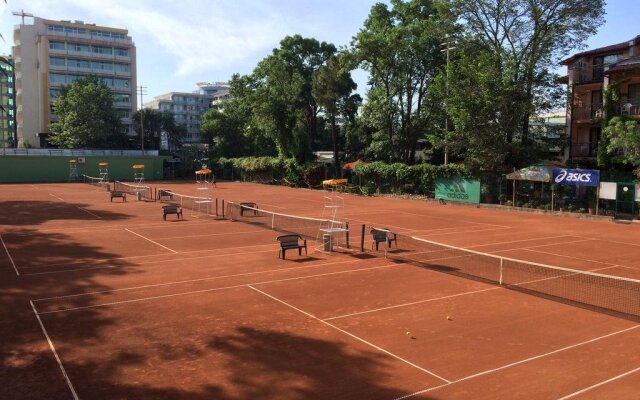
196,36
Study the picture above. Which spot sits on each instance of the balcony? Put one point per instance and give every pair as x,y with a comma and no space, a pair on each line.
586,113
584,149
628,107
587,73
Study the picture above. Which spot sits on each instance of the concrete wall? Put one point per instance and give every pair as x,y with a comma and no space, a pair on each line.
56,169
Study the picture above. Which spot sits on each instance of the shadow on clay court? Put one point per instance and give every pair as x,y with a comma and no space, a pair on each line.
38,212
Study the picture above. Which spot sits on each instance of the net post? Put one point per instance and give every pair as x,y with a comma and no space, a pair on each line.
362,239
222,208
273,217
216,206
501,268
347,234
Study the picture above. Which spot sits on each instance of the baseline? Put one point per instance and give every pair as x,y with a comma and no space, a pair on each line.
9,255
615,378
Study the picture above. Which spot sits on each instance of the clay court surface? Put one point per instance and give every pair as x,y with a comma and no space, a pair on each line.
105,300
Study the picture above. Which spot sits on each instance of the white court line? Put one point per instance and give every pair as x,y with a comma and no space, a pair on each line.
55,353
536,246
88,212
397,357
34,186
521,362
522,240
451,219
120,227
411,303
53,195
192,280
213,234
154,242
152,261
468,231
9,255
574,258
164,296
615,378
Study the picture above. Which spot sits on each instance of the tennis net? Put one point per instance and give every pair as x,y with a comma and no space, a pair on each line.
99,182
605,293
307,227
197,204
141,192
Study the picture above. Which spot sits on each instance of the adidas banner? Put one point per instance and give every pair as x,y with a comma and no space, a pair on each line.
458,189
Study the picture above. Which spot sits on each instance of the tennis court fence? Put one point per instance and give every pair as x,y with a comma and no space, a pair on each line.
599,292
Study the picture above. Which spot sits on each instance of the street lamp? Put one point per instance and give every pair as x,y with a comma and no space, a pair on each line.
446,107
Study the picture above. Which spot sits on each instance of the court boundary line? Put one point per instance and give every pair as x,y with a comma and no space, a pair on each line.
521,240
350,334
120,227
580,259
147,262
615,378
57,197
209,234
452,219
152,241
489,371
412,303
192,280
211,290
9,255
55,353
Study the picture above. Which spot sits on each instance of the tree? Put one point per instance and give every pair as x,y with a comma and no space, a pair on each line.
332,88
86,117
400,48
156,123
223,131
526,40
623,136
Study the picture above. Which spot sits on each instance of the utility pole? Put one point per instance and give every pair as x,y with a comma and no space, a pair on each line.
447,49
142,90
22,14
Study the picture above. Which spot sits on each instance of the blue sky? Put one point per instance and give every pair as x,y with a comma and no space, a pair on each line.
183,42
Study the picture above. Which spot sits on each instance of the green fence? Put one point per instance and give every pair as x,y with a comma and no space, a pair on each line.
56,168
458,189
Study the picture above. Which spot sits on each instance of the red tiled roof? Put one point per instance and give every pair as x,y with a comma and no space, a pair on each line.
606,49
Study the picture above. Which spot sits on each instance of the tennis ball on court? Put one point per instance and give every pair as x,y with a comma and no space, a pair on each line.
449,318
408,333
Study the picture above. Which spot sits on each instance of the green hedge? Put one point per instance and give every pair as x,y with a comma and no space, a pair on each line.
397,178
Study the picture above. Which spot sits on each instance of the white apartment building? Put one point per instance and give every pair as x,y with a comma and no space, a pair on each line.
187,108
51,54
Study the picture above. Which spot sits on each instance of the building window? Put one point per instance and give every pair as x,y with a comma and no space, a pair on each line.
101,65
60,62
122,67
56,45
57,78
73,63
123,52
121,83
102,50
83,48
121,98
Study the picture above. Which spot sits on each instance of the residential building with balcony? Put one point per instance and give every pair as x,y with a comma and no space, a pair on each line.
590,74
51,54
8,103
187,108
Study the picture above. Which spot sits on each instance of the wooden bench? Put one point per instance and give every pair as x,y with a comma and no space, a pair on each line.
165,193
383,236
166,210
117,193
248,206
288,242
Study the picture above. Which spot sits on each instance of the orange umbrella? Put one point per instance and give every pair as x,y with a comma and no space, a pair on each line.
352,165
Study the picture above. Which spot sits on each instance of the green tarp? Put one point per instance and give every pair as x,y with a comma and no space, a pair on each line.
458,189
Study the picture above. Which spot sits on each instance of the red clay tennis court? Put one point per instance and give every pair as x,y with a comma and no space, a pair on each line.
105,300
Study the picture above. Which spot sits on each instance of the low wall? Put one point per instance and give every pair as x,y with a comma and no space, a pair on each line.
56,168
